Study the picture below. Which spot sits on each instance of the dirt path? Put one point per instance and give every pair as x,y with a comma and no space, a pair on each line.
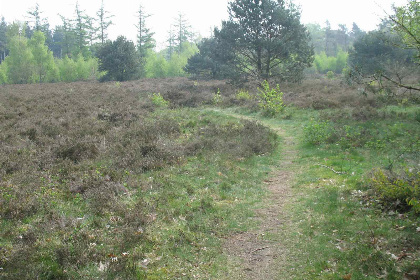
261,254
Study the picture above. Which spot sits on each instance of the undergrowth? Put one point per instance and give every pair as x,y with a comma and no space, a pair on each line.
356,212
99,181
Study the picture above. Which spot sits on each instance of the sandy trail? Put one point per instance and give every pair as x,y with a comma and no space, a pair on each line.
260,253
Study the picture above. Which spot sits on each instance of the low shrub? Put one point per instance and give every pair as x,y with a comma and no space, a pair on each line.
318,132
271,100
158,100
398,191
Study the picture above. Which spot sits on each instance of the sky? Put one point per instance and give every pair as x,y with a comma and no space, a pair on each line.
202,15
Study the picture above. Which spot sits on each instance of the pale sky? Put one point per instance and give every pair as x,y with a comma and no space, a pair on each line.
201,14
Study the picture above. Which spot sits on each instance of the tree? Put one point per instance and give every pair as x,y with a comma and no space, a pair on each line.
183,31
406,23
171,43
385,59
343,37
20,62
3,39
214,60
44,66
39,24
267,39
81,28
377,62
145,41
105,21
68,37
119,59
356,32
35,16
317,36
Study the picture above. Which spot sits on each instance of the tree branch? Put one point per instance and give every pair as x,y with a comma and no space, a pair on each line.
399,84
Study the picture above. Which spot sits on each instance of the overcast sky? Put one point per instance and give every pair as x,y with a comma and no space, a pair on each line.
201,14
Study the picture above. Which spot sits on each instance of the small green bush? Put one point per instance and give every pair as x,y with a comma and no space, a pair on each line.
330,75
217,98
270,100
399,191
318,132
243,95
158,100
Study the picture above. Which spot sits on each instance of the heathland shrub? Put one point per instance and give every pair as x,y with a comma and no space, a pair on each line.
318,132
400,191
243,95
158,100
271,100
255,139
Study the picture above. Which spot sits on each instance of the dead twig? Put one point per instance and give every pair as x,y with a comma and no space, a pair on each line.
330,168
259,249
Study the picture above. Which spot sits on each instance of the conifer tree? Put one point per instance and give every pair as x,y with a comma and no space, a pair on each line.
3,39
145,41
104,19
82,27
267,39
183,31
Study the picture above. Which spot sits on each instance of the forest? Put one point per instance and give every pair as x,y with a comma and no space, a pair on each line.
271,149
32,51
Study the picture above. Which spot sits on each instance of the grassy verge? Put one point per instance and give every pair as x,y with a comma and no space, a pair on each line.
342,227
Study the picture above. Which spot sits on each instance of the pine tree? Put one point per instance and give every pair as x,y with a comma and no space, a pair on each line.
82,28
35,16
267,38
105,21
145,41
68,37
119,59
3,39
183,31
171,43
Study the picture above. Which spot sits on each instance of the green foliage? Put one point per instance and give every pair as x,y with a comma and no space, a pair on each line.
270,100
330,75
119,59
406,22
156,65
324,63
318,132
212,61
45,67
67,69
242,47
217,98
243,95
400,191
20,62
3,75
158,100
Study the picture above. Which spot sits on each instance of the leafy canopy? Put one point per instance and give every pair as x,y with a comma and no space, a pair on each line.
262,38
119,59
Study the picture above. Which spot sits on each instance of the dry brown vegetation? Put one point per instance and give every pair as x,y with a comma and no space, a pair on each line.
72,159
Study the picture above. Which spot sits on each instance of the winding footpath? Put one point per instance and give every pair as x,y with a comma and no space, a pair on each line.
261,253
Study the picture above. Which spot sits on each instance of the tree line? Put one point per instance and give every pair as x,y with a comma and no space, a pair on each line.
261,39
77,41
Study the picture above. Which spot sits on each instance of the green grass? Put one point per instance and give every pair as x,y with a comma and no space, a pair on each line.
339,228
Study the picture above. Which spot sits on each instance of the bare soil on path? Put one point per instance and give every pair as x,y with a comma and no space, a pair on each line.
261,252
